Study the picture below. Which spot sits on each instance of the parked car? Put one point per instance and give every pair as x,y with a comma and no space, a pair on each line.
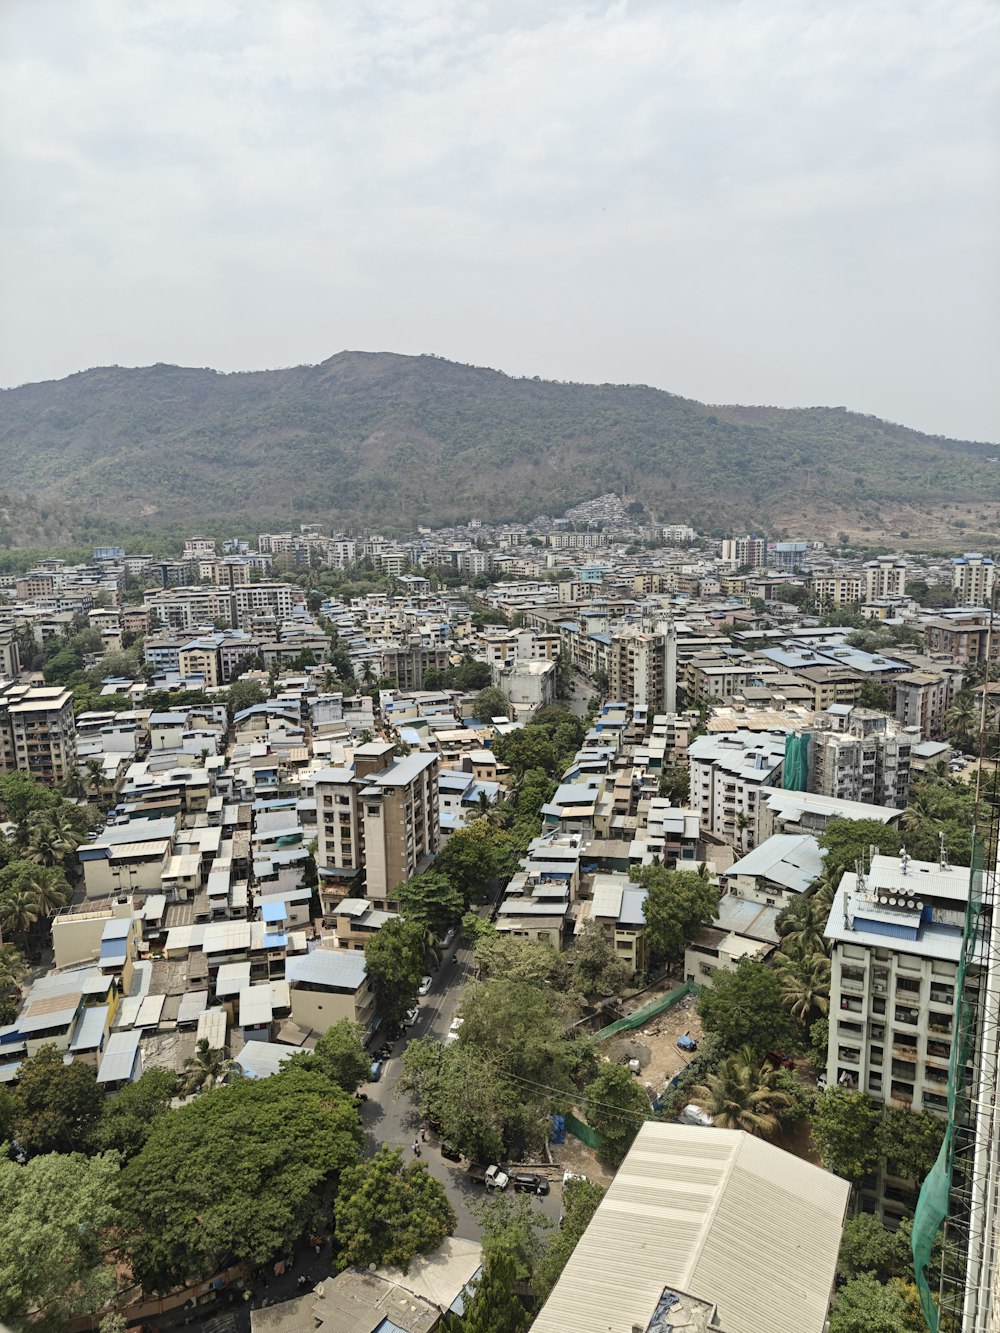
447,937
694,1115
528,1182
450,1151
376,1071
412,1016
456,1023
780,1060
490,1176
425,984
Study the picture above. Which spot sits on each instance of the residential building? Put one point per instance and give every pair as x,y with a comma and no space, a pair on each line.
972,578
529,685
857,754
923,698
745,551
616,905
884,577
833,590
728,771
777,871
637,669
691,1214
326,985
37,731
896,933
377,822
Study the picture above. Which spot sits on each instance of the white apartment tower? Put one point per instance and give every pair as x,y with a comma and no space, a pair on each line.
972,577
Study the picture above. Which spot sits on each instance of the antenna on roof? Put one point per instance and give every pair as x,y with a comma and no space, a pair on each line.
904,861
942,856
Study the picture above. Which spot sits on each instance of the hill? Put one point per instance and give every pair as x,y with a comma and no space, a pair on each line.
379,439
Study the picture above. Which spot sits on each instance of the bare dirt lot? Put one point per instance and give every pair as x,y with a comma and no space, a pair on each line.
655,1045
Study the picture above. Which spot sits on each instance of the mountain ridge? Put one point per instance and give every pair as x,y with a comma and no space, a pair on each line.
382,438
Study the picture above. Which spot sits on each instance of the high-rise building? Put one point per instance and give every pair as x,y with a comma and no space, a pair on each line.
896,936
884,577
37,731
972,578
377,823
748,551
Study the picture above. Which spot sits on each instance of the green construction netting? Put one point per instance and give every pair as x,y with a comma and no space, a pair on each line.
795,773
647,1012
932,1204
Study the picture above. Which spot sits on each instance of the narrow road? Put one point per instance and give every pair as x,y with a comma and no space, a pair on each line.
395,1121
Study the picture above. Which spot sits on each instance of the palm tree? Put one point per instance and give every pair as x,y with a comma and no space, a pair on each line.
824,891
73,784
741,1095
45,846
18,913
206,1068
804,924
48,889
805,983
962,718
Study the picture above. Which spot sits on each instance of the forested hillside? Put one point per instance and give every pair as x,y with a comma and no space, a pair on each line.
368,438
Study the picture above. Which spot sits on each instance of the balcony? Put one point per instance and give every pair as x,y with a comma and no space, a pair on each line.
911,1017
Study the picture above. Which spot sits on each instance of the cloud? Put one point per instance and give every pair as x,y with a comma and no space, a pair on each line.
782,201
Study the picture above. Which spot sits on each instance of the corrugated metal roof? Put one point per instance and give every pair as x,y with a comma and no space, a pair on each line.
340,969
716,1213
212,1025
120,1057
192,1006
255,1006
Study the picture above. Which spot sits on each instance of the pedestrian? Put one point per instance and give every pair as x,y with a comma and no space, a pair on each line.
416,1147
423,1136
317,1243
279,1267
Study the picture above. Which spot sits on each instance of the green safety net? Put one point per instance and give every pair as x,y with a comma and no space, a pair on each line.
933,1201
795,773
647,1012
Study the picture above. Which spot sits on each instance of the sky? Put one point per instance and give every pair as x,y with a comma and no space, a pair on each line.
767,201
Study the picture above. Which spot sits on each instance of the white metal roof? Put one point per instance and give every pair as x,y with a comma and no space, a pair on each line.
712,1212
212,1024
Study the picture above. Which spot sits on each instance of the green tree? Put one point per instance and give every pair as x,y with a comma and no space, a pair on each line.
245,694
580,1201
58,1105
473,857
805,983
502,957
127,1119
678,904
341,1055
494,1307
910,1141
845,1127
432,900
744,1008
615,1106
394,959
863,1305
802,924
490,703
207,1068
57,1215
597,969
512,1231
845,842
675,784
743,1094
20,795
249,1161
873,694
388,1213
866,1246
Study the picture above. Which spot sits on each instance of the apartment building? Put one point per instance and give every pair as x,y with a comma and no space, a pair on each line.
923,698
377,823
896,937
960,636
972,578
266,598
856,754
885,577
38,731
637,669
10,657
407,664
728,772
749,551
836,590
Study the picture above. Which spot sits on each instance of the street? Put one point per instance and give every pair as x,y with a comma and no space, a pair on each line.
395,1121
581,691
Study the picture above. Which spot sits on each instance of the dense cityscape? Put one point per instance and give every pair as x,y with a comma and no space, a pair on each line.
416,912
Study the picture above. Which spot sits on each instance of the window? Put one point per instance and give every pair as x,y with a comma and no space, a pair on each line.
373,810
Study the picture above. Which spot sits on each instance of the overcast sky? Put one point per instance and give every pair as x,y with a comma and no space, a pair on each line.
776,201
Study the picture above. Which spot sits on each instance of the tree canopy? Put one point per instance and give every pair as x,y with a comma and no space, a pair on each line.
341,1056
745,1008
394,958
57,1214
615,1107
387,1212
247,1161
57,1105
678,904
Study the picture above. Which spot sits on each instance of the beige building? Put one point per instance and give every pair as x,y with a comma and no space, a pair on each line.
377,822
885,577
637,669
972,578
836,590
38,731
327,985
